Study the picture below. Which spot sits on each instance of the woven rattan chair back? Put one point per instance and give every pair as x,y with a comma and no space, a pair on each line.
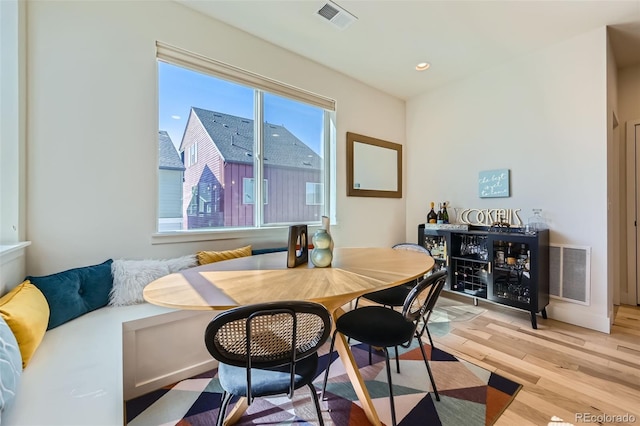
268,334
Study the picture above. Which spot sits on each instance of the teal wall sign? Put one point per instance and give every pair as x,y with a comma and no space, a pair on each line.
494,183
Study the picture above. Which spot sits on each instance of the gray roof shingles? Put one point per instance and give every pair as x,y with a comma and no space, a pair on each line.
234,138
169,158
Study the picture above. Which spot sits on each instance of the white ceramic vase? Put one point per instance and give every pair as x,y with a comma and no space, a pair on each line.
321,255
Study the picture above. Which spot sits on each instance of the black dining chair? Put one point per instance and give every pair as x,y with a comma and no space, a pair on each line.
267,349
384,328
394,297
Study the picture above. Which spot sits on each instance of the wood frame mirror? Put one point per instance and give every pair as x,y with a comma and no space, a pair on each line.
374,167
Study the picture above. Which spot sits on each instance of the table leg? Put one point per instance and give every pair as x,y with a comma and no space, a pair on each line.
237,412
342,347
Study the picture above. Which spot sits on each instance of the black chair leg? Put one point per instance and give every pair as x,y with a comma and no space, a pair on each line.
355,306
393,405
226,398
326,372
397,361
314,395
426,362
429,335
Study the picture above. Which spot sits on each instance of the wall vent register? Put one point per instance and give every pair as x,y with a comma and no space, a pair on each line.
570,273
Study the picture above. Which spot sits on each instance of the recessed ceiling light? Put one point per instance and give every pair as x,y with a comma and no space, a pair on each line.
423,66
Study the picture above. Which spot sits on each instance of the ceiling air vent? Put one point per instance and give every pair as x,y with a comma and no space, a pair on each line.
336,15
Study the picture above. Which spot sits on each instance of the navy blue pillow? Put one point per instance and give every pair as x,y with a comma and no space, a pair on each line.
268,250
75,292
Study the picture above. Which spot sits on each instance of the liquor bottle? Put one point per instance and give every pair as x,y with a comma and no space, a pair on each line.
432,217
499,254
511,257
522,256
445,215
440,218
435,249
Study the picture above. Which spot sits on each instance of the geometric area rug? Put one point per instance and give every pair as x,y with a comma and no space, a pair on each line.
469,395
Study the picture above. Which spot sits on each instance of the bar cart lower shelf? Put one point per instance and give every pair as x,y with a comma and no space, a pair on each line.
476,302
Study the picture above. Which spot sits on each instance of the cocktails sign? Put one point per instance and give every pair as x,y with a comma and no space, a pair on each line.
488,217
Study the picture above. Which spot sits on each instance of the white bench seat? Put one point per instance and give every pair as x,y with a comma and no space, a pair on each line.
76,375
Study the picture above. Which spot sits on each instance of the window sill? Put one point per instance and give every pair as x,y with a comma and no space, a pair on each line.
9,252
273,233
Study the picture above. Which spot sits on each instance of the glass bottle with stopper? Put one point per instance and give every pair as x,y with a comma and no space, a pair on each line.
536,222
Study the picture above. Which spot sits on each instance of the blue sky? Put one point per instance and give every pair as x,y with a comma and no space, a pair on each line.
180,89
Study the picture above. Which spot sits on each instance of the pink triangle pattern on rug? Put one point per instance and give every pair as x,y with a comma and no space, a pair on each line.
469,395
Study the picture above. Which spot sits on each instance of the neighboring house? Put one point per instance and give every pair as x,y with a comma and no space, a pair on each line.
217,150
170,175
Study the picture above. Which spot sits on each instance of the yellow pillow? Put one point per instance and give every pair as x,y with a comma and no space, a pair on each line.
205,257
26,311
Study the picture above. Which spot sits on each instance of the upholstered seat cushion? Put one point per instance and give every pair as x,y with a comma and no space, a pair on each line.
376,325
75,292
274,381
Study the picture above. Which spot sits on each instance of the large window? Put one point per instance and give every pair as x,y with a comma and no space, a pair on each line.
231,128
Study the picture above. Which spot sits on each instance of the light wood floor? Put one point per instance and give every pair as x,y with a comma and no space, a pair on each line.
564,369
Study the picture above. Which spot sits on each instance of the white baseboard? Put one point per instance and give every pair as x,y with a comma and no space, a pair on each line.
577,315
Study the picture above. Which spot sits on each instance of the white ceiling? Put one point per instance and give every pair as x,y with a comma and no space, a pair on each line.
458,38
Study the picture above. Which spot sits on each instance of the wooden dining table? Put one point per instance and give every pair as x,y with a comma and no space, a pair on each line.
266,278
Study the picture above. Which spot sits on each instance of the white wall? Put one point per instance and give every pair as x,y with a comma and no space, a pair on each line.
544,118
92,129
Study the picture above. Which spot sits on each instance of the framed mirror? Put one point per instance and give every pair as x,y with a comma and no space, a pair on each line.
374,167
